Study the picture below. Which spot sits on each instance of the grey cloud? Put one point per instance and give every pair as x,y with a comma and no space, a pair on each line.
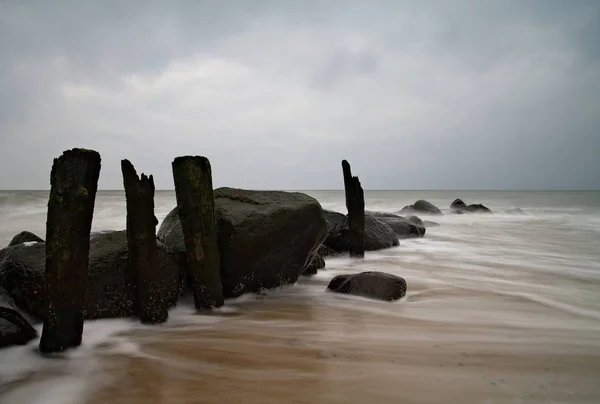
436,94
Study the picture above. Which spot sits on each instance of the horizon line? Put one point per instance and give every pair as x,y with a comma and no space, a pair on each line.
341,189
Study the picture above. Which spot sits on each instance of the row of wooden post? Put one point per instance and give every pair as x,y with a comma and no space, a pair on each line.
73,186
74,183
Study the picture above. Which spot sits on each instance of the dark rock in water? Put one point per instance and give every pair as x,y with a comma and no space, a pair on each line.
378,235
372,284
416,220
459,207
110,288
14,328
428,223
515,211
266,238
325,251
423,207
403,227
458,204
477,208
24,237
315,264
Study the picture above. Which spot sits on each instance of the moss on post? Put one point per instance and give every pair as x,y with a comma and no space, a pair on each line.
194,192
74,182
141,245
355,203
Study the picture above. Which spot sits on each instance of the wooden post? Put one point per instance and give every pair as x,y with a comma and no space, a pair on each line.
141,245
355,203
73,186
195,204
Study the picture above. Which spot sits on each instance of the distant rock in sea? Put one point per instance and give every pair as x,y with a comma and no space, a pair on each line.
421,207
515,211
460,207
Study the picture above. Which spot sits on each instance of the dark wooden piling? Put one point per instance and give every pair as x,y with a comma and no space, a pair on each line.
195,204
141,245
73,186
355,203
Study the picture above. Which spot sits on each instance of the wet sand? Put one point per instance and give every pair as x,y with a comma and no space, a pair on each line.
300,353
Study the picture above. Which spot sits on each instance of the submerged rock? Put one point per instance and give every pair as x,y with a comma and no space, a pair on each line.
423,207
371,284
316,263
110,286
515,211
266,238
403,227
25,237
378,235
14,328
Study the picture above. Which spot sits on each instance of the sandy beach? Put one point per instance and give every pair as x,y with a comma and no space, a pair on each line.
301,353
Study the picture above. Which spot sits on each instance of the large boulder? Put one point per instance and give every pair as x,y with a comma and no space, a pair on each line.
403,227
14,328
421,207
266,238
25,237
371,284
110,286
378,235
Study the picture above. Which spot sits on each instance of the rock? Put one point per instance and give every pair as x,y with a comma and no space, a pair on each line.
378,235
371,284
416,220
316,263
403,227
25,237
14,328
266,238
110,288
515,211
325,251
477,208
429,223
423,207
459,207
458,204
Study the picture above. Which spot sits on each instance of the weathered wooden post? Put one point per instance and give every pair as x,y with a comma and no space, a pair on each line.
355,203
195,204
141,245
73,186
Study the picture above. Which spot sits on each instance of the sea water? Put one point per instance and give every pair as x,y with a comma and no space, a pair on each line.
500,308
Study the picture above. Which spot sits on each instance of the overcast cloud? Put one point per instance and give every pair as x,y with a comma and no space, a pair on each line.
415,94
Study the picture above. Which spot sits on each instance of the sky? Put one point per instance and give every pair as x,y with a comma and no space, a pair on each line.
480,94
